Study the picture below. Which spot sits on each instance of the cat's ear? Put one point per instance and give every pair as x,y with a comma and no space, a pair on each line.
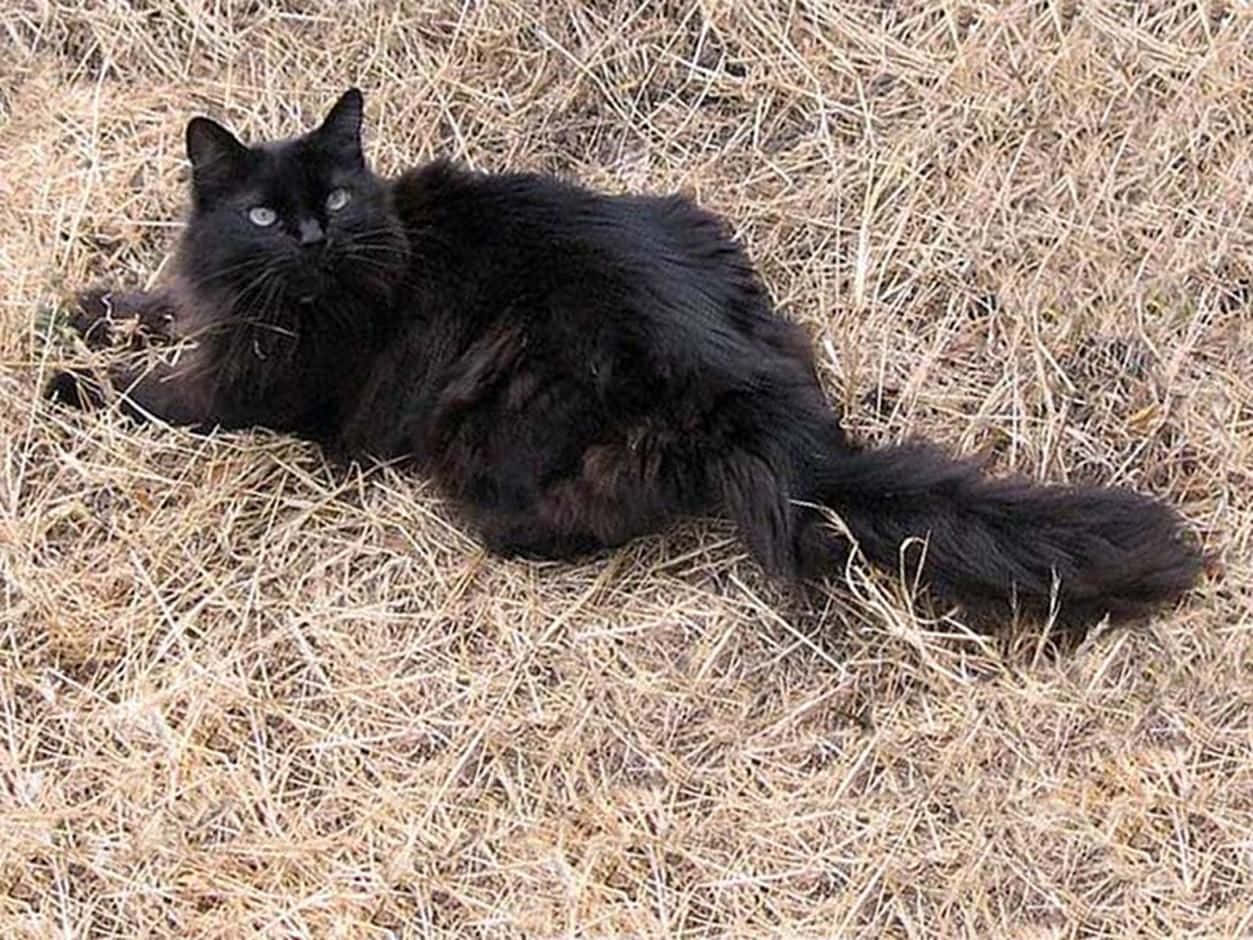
216,156
341,131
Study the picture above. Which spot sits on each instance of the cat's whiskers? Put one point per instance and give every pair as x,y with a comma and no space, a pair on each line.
243,266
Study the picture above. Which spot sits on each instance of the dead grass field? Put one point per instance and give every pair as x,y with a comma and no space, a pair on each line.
243,694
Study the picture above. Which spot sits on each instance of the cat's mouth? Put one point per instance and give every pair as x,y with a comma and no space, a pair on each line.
306,287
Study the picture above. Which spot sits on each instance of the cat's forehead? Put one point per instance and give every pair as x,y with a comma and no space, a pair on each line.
275,148
294,153
293,163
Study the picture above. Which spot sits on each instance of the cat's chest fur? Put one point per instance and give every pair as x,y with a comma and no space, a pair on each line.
300,368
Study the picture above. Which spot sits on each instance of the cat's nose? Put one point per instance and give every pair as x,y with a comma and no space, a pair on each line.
311,232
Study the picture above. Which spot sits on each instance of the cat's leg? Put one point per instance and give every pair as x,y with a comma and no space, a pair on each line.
761,473
101,316
525,536
654,474
567,519
166,394
582,515
757,495
153,379
614,495
179,394
98,316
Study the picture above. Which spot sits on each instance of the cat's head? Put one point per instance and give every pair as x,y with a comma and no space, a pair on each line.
292,225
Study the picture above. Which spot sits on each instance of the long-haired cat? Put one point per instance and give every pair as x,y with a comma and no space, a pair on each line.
576,369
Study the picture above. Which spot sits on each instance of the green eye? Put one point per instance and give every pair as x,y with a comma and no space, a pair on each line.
337,199
263,216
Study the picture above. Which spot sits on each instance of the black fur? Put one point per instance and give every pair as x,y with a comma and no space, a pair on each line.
577,369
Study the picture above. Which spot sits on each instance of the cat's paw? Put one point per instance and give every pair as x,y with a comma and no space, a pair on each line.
74,389
105,318
90,314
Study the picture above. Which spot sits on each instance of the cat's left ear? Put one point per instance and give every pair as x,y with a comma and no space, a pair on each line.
341,131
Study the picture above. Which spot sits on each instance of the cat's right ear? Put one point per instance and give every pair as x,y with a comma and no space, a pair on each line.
216,157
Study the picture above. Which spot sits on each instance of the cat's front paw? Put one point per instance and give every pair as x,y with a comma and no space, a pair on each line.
75,389
106,318
90,314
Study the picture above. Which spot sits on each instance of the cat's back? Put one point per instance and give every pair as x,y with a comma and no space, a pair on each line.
655,270
534,215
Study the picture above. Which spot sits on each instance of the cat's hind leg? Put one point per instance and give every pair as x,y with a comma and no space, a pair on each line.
612,494
756,494
525,536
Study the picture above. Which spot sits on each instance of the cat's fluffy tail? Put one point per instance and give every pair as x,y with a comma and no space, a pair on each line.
988,541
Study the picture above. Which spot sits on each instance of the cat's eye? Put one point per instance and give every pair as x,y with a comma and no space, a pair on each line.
336,199
263,216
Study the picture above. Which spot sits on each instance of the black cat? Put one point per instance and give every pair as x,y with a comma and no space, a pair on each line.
576,369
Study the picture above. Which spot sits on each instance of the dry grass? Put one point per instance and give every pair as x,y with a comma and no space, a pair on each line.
242,693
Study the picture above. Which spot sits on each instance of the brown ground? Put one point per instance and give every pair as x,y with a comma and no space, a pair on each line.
242,692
